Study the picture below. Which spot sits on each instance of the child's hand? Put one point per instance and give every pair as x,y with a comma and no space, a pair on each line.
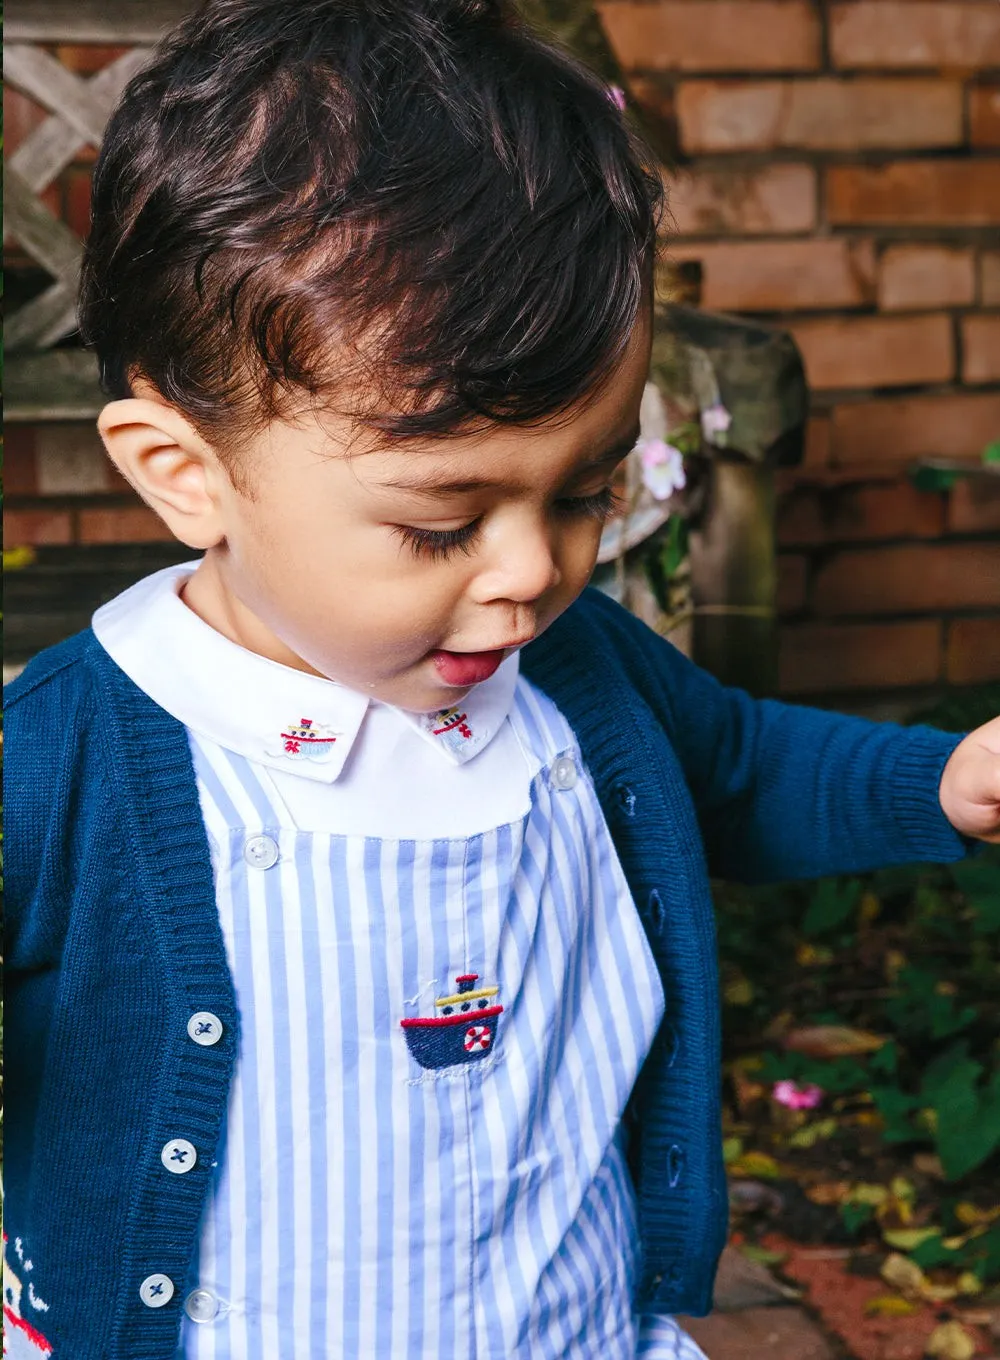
970,785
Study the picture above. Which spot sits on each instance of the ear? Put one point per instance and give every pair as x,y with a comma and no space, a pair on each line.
169,464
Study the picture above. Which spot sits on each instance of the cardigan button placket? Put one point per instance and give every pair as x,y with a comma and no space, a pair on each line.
156,1290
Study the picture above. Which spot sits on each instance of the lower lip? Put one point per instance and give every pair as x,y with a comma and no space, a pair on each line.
466,668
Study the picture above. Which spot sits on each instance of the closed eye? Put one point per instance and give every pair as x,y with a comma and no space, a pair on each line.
438,544
600,506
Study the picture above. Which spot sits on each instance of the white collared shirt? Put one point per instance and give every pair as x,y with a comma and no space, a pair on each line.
337,759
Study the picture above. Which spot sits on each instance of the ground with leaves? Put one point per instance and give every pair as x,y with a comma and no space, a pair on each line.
862,1098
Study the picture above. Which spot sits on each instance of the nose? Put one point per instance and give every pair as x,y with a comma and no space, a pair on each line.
522,569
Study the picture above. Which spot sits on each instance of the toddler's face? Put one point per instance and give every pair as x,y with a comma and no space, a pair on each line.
409,573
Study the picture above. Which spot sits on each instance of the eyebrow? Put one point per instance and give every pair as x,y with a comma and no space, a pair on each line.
436,486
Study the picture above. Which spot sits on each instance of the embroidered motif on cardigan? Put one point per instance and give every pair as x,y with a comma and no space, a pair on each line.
21,1340
448,1038
307,740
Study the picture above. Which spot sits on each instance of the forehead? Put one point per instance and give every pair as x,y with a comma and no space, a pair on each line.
601,427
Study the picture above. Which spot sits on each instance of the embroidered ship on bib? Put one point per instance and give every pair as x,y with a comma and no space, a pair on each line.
464,1029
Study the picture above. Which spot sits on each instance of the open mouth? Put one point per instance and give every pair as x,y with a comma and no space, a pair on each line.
467,668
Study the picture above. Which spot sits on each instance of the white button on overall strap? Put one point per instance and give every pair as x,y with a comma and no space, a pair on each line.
205,1028
201,1305
156,1290
261,852
564,773
178,1155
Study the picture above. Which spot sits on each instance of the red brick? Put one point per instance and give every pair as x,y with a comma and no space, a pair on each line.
36,527
915,193
823,115
20,473
714,35
128,524
916,276
21,116
915,33
920,578
989,278
875,351
981,348
817,658
984,115
846,514
817,449
900,429
793,581
779,276
773,200
973,651
974,506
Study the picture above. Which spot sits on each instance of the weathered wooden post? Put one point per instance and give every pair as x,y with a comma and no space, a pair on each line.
754,374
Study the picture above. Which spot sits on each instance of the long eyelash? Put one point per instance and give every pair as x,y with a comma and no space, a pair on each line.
601,506
438,544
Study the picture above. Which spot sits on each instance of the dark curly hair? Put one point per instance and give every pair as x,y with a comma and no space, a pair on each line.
417,210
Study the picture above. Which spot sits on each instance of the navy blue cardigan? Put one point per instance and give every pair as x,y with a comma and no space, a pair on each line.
114,942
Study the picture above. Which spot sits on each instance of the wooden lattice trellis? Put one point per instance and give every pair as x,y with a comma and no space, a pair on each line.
61,384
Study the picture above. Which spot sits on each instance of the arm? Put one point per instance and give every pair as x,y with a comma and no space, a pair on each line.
784,791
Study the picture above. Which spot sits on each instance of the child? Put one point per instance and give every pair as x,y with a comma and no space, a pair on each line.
362,991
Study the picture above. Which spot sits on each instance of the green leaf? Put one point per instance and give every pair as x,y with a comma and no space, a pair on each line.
832,903
991,453
855,1216
932,1252
968,1120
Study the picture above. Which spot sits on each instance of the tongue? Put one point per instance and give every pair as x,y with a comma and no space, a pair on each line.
466,668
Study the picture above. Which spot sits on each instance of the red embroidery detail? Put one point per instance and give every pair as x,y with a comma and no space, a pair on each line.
478,1037
454,722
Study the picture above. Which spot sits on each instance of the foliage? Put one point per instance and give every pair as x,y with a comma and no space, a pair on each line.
882,990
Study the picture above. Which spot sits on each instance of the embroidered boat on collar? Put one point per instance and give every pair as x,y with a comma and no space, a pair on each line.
464,1029
451,720
306,740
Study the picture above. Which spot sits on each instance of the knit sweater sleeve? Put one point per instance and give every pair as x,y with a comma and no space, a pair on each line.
785,791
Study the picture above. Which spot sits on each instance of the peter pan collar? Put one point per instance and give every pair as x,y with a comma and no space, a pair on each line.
280,717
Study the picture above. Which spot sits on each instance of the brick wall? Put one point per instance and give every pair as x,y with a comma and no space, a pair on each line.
837,170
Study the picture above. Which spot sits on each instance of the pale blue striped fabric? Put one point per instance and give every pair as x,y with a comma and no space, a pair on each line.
367,1207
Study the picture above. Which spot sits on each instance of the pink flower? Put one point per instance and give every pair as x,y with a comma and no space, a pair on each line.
715,420
662,467
617,96
797,1097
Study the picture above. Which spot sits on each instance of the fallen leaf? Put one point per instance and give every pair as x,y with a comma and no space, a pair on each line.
970,1215
763,1255
755,1165
731,1149
812,955
810,1134
903,1275
890,1305
828,1192
832,1041
864,1192
950,1341
738,992
969,1283
929,1163
905,1239
868,908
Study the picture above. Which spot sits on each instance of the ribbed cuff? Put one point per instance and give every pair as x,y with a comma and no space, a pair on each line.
914,795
